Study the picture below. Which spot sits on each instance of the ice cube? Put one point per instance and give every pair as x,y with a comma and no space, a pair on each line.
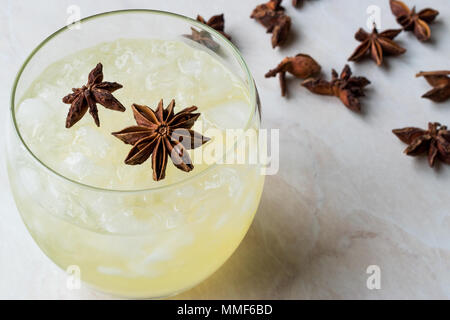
190,66
229,114
93,142
32,114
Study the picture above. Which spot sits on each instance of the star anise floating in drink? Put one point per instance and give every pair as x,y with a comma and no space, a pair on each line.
377,44
160,134
272,16
412,21
440,81
346,87
434,142
301,66
86,98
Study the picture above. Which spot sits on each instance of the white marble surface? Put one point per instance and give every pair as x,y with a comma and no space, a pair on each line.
345,197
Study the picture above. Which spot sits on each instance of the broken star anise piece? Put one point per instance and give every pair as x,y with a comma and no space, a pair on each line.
412,21
347,88
440,81
301,66
160,134
378,44
86,98
271,15
216,22
435,142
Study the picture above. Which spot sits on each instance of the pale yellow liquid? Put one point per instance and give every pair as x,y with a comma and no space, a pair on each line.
146,243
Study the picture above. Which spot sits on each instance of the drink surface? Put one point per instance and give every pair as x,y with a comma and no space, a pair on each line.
149,243
149,70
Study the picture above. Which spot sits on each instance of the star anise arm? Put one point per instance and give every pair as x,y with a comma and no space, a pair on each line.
349,100
409,134
184,119
390,47
282,80
281,31
437,94
106,99
360,51
142,150
217,22
419,146
133,134
319,86
376,52
77,110
436,78
361,35
159,160
168,112
190,139
399,8
428,15
422,30
96,75
92,106
159,112
443,146
179,156
109,86
432,154
390,34
71,96
441,83
145,116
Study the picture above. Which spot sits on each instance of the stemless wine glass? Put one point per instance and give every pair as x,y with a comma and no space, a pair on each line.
198,222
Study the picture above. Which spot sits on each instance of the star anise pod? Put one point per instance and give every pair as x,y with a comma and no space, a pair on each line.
378,44
87,97
301,66
412,21
160,134
435,142
347,88
440,81
271,15
216,22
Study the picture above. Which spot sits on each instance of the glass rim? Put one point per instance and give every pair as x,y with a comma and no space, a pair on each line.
231,47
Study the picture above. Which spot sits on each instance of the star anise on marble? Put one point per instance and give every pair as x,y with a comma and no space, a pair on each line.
435,142
216,22
412,21
203,37
86,98
346,87
301,66
377,44
440,81
272,16
160,134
